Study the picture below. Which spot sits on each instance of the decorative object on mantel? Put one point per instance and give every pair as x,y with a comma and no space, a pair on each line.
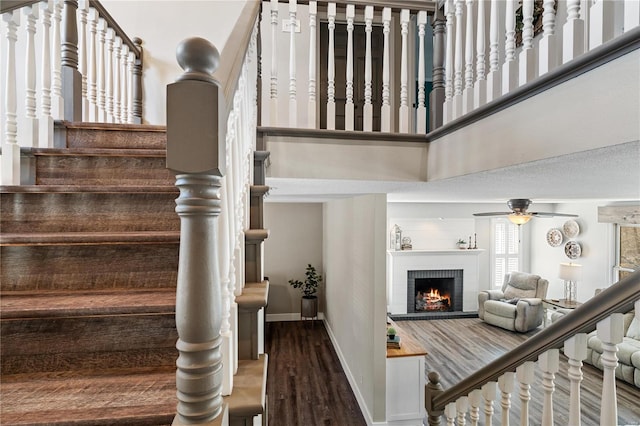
571,228
570,273
462,244
475,241
406,243
572,250
519,214
554,237
309,302
396,238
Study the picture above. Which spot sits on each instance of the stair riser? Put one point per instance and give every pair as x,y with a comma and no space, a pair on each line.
115,139
88,267
88,343
102,170
88,212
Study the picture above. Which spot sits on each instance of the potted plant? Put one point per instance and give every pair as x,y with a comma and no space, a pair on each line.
462,244
391,333
309,304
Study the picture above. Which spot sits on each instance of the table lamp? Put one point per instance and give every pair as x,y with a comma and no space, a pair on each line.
570,273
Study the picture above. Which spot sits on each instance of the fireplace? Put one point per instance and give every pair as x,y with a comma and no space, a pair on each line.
434,291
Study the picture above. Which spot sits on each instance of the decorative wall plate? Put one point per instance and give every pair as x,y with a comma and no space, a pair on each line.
554,237
571,228
572,250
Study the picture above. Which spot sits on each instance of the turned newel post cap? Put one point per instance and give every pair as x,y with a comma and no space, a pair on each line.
433,377
198,58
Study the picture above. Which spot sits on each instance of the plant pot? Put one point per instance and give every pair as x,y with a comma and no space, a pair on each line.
309,307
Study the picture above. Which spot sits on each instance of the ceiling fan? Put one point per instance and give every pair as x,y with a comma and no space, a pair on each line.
519,214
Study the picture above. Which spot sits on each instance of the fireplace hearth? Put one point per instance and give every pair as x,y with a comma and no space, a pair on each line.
434,291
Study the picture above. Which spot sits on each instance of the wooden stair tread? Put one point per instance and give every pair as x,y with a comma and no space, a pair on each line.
73,189
249,388
74,304
115,126
254,296
89,238
97,152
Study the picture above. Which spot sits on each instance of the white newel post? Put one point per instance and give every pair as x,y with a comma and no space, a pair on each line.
273,77
601,27
506,384
572,32
331,69
92,89
467,93
83,9
28,136
102,92
57,102
475,398
547,47
462,405
631,14
575,348
293,103
489,394
367,112
549,364
403,117
349,111
385,111
610,331
421,119
510,66
196,156
10,147
457,73
527,59
45,122
311,110
117,48
449,54
480,87
494,79
109,76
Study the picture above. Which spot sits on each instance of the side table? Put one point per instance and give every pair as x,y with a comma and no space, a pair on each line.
555,305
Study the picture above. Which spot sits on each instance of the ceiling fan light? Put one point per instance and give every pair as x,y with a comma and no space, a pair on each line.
519,219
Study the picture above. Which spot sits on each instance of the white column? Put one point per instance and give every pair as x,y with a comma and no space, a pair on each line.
385,112
57,103
117,48
450,413
475,398
467,93
601,27
506,385
575,348
462,404
510,66
293,103
549,364
109,75
10,148
403,118
610,331
494,79
421,119
547,47
631,14
480,87
367,112
28,136
83,9
273,78
311,110
124,86
525,375
349,112
92,80
45,122
572,32
457,73
331,69
448,80
102,91
527,59
489,394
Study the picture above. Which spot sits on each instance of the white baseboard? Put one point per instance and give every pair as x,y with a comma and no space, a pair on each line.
292,316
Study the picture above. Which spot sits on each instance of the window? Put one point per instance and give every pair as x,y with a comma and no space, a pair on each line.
505,249
627,250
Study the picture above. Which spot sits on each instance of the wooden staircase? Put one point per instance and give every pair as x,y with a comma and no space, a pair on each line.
89,260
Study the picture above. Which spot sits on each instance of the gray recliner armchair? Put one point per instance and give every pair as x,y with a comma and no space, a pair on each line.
518,305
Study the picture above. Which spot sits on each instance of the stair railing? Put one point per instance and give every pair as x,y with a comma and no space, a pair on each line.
603,313
87,69
211,136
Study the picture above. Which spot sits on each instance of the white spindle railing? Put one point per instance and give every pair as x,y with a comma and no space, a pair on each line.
367,118
311,111
29,136
293,103
467,93
331,68
385,112
349,111
421,116
45,121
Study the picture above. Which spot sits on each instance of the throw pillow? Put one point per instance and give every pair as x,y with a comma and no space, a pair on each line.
634,329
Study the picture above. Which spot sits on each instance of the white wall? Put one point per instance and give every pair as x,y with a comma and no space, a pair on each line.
295,240
354,262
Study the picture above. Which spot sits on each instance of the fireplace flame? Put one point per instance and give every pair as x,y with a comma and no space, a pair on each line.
433,300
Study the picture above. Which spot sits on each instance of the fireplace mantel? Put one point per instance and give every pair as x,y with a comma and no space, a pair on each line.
400,262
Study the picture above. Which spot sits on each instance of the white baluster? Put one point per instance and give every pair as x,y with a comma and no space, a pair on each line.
313,10
331,69
457,73
10,147
293,103
83,9
480,87
385,111
475,397
525,375
92,78
572,32
467,94
273,78
575,348
527,59
28,135
124,86
549,364
610,332
45,122
547,47
450,413
489,394
510,66
403,118
601,16
109,74
225,260
462,404
349,106
421,113
102,89
494,79
57,103
131,59
448,81
117,48
367,112
506,385
631,14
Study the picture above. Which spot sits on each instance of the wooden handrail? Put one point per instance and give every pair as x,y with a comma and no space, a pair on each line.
414,5
114,25
9,5
619,298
